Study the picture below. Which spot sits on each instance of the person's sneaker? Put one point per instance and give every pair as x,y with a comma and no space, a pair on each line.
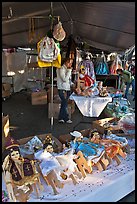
61,121
69,121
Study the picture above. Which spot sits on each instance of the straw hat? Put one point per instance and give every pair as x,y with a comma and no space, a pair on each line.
76,134
58,32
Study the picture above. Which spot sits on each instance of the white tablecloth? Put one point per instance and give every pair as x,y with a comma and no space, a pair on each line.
107,186
91,106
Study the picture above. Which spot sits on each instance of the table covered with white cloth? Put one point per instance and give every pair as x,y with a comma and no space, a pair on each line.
91,106
107,186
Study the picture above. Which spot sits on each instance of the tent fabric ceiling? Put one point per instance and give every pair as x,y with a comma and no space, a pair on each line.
107,26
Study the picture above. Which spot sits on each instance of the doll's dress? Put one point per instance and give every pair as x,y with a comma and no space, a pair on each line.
66,162
122,140
48,162
90,150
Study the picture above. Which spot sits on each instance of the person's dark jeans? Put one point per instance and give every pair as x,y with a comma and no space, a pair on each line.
128,86
64,96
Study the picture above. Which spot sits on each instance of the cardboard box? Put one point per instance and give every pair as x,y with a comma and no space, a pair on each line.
98,124
6,94
56,109
6,86
67,137
56,98
57,144
6,90
39,98
5,131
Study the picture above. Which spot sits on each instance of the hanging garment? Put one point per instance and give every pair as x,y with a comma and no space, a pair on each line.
102,68
48,53
89,68
114,66
48,49
58,32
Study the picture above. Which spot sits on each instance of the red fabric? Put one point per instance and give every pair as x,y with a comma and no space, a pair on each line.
88,80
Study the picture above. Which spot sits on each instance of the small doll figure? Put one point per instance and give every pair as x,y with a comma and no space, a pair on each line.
113,148
19,173
100,85
49,166
91,151
88,81
88,148
102,90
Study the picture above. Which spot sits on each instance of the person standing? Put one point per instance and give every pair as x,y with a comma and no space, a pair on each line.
131,69
128,79
64,89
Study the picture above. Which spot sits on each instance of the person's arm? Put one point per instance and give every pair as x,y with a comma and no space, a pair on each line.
65,75
127,73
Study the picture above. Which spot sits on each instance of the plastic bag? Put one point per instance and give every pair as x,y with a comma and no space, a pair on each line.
127,123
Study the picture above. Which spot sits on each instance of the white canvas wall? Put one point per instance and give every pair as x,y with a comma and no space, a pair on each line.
16,62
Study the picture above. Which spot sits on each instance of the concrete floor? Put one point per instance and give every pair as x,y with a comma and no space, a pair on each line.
28,120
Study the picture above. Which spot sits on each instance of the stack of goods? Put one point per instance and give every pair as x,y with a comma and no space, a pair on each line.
78,159
118,108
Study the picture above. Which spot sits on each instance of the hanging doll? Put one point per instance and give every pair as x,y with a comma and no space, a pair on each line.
88,65
20,174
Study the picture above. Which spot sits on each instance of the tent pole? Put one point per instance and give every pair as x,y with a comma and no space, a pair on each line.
52,118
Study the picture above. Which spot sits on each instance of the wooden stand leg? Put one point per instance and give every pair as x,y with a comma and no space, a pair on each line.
99,166
54,182
51,182
122,154
73,179
104,163
108,158
78,173
82,164
36,190
116,158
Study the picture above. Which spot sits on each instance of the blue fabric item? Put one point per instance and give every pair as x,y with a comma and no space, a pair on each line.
102,69
86,149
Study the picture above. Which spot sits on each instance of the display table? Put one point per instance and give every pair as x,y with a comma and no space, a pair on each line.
108,186
91,106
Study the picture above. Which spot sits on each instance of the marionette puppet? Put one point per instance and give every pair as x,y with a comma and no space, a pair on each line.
65,158
113,148
93,153
49,167
20,174
82,163
54,165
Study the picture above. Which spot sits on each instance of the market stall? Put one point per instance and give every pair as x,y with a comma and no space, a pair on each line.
95,167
